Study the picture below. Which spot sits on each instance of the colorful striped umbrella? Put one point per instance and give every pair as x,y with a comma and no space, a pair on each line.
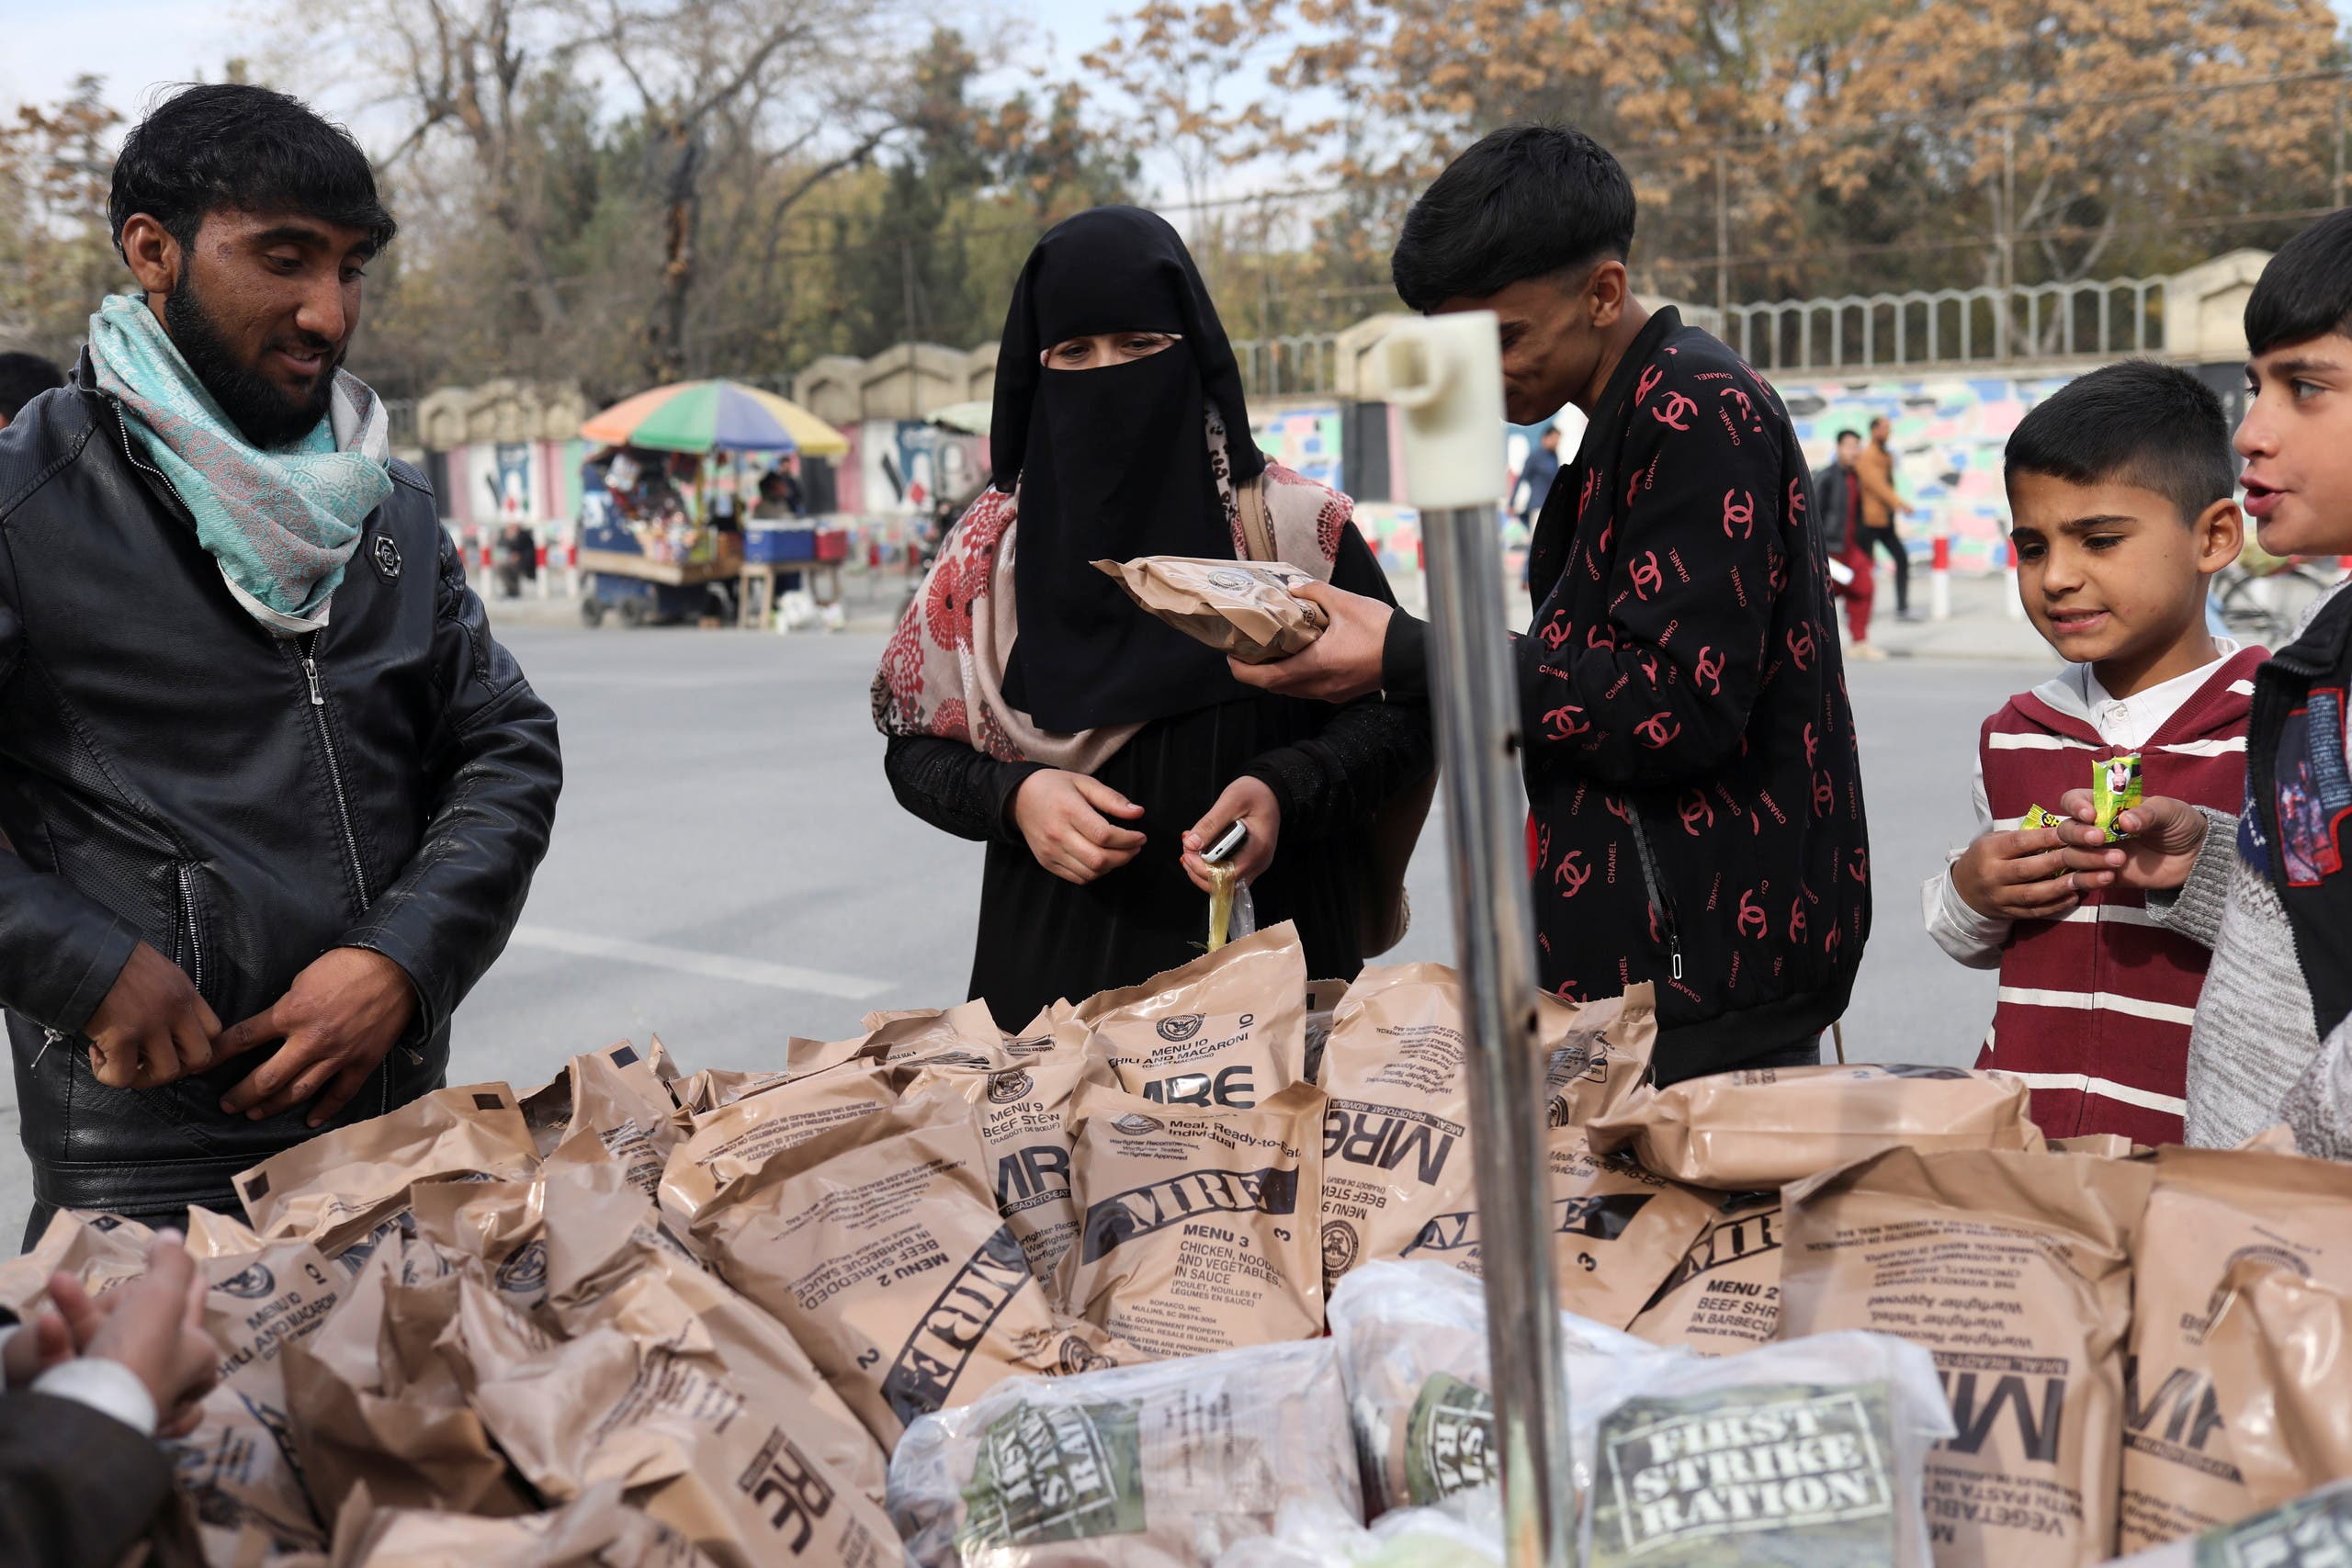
696,416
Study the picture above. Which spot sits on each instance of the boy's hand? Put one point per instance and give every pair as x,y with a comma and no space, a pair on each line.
2166,835
2022,874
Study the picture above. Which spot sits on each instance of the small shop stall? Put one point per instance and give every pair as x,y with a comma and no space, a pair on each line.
667,529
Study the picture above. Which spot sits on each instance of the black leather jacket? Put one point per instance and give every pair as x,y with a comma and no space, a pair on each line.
173,774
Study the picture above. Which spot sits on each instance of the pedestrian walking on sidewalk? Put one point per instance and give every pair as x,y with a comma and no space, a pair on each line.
1881,505
1838,492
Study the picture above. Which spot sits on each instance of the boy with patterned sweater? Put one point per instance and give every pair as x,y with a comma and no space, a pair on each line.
2120,489
2269,888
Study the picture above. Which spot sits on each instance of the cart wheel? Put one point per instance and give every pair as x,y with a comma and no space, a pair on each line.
592,613
633,612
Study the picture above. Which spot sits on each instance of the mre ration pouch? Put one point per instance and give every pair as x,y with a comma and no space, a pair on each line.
878,1246
1758,1127
1228,1029
1199,1229
2210,1209
2013,1270
1243,608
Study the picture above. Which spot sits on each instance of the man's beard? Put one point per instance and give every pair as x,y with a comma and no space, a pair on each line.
257,406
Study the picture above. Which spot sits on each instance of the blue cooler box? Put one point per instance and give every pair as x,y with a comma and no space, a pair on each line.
767,543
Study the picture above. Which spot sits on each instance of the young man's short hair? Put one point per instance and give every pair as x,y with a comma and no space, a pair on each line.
229,146
1525,201
23,378
2140,423
1850,436
2306,290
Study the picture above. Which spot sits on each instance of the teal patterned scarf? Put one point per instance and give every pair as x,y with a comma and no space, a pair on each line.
282,524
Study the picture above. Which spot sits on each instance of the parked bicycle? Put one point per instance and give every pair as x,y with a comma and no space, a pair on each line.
2263,603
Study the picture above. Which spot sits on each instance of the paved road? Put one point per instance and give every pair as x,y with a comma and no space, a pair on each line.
729,868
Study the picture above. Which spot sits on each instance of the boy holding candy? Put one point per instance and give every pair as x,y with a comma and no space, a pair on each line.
2268,890
2120,490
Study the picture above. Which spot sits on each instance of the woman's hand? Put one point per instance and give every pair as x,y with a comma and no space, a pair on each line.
1066,818
1245,800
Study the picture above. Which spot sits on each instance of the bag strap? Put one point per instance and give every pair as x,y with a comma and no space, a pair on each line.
1257,531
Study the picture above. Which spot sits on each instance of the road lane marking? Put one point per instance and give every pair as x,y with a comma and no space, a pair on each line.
709,965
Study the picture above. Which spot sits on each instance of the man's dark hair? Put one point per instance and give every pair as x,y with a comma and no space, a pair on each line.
2306,290
1850,436
1524,201
229,146
2137,423
23,378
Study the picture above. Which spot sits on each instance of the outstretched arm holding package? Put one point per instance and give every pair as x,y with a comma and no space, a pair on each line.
1662,690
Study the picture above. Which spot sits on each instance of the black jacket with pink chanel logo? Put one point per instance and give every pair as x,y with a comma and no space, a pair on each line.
1695,797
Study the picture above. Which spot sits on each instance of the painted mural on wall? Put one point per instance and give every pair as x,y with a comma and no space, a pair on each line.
1306,441
1947,438
490,484
904,466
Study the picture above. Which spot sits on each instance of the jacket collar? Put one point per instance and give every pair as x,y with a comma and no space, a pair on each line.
2057,704
1616,403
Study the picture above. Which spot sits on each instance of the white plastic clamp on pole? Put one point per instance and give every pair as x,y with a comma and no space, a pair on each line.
1446,373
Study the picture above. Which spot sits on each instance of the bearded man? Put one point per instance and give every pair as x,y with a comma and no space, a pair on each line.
272,793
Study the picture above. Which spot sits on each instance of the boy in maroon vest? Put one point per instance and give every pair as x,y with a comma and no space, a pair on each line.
2120,490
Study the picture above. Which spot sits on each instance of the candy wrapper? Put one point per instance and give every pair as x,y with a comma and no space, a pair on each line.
2035,816
2115,788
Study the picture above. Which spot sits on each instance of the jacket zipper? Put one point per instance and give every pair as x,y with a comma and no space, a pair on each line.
187,917
1657,894
122,428
309,661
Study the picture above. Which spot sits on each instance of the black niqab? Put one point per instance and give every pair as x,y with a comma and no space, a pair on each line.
1112,464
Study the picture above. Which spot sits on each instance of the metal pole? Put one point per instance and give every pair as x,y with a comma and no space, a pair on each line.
1445,372
1723,251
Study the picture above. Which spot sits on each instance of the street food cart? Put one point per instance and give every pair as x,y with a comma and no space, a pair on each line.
651,545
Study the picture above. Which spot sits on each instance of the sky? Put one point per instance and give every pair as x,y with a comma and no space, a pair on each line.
139,44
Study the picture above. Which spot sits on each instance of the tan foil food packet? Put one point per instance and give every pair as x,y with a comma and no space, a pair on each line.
1244,608
1755,1128
701,1093
596,1529
963,1035
879,1246
1199,1232
609,1103
242,1467
2013,1270
100,1250
1228,1029
2211,1208
1396,1126
610,1265
731,1145
686,1444
338,1186
1617,1232
1596,1054
374,1400
1725,1297
1165,1465
1023,1113
2281,1351
626,1085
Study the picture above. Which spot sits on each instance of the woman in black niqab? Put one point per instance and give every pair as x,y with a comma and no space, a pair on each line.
1109,735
